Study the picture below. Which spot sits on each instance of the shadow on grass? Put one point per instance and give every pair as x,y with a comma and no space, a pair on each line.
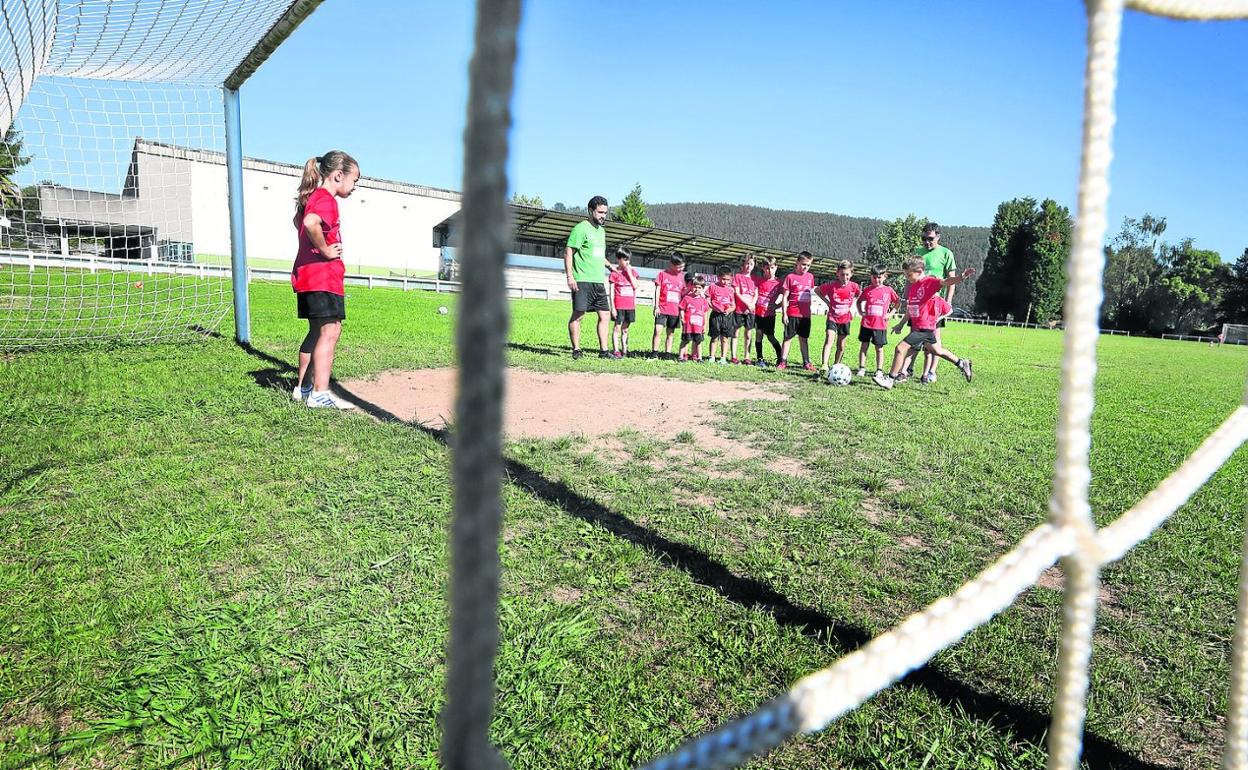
541,350
1018,721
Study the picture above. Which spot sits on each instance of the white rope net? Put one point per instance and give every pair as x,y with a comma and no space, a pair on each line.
1070,535
101,211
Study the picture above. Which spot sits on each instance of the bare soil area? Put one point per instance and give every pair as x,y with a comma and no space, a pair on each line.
541,405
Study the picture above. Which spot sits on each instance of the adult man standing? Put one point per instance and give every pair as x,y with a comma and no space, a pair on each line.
937,261
585,263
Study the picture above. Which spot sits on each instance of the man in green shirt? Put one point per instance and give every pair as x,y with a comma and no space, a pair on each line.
585,264
937,261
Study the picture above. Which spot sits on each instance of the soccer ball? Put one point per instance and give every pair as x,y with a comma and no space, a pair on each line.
839,374
442,310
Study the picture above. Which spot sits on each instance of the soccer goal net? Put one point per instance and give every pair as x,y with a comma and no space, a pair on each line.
114,222
1235,334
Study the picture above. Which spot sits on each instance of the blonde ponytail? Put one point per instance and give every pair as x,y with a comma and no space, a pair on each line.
316,169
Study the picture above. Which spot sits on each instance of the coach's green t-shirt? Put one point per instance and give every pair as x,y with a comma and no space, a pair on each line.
589,252
938,261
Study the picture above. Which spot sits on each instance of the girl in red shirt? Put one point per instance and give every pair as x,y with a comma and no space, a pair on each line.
318,271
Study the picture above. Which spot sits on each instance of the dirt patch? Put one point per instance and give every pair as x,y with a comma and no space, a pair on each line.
566,595
799,511
910,542
542,405
874,510
1054,580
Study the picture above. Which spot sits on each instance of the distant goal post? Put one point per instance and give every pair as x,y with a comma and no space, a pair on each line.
1234,334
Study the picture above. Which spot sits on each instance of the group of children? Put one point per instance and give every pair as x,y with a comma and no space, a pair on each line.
738,308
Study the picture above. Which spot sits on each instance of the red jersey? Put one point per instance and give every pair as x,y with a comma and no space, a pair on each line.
922,311
768,293
623,295
668,289
723,299
744,283
694,309
840,298
313,272
876,301
799,288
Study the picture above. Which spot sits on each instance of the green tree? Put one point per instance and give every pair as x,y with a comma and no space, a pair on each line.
1132,266
1234,305
1187,295
897,239
1044,261
527,200
11,161
999,288
632,210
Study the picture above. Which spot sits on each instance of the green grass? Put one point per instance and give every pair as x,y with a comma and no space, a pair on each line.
187,559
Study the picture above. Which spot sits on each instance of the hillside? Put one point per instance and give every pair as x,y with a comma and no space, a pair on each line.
823,234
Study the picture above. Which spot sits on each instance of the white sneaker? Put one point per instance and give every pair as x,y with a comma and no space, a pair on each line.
323,399
883,380
862,372
300,394
931,378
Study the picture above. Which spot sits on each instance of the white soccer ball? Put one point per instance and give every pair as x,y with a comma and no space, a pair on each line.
839,374
442,310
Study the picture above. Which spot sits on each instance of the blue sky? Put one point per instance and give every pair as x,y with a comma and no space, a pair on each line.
943,109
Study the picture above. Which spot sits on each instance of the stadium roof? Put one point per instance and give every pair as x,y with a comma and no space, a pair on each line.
551,227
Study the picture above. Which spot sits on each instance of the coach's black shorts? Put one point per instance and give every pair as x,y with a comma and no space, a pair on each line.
694,337
743,320
722,325
589,296
842,329
625,317
667,321
323,305
877,337
917,339
796,327
940,324
766,325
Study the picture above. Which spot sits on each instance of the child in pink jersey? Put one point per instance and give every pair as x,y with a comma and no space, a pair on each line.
746,290
622,301
723,298
317,275
768,288
693,310
795,294
669,289
923,313
874,305
840,294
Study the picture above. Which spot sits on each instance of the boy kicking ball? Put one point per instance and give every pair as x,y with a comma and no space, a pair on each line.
922,313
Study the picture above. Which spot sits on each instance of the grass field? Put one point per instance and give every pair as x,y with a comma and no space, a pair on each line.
187,559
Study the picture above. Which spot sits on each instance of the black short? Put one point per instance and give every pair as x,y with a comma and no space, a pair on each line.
796,327
589,296
722,325
625,317
877,337
842,329
940,324
694,337
743,320
668,321
917,339
324,305
766,325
